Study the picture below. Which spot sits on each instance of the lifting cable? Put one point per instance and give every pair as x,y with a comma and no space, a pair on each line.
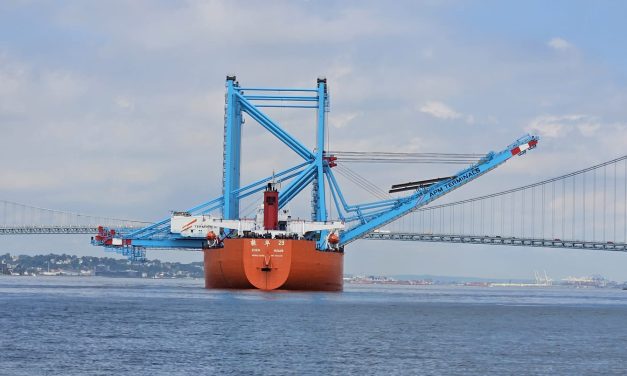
362,182
390,157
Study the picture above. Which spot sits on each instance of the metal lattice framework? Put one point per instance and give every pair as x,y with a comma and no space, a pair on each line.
315,170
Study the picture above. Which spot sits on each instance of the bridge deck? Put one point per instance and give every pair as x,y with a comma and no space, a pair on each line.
498,240
44,230
402,236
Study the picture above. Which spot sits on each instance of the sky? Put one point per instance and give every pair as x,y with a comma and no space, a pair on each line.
116,108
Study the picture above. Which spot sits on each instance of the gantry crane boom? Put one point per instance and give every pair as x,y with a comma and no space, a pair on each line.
424,196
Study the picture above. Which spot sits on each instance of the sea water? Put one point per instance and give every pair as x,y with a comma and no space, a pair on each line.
102,326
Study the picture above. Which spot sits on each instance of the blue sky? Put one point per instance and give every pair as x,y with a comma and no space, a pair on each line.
115,108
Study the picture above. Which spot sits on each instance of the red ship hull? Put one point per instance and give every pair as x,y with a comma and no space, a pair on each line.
270,264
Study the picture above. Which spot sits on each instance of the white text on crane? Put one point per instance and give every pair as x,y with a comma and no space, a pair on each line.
455,181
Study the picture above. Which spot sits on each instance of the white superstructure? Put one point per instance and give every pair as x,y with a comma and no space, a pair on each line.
199,226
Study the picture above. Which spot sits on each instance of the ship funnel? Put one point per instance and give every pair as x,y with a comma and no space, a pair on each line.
271,208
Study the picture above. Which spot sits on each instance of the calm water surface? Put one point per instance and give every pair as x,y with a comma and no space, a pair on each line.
100,326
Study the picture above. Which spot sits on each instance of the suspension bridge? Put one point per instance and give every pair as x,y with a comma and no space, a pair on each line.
22,219
584,209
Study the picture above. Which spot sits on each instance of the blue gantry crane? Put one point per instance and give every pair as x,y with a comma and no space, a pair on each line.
316,169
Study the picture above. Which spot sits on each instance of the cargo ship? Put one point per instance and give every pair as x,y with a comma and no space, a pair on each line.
271,251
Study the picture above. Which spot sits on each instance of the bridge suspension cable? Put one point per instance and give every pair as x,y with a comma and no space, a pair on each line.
587,206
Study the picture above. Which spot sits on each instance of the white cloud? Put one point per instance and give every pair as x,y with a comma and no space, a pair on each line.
63,85
165,27
11,75
442,111
13,85
415,145
343,119
439,110
547,129
427,53
558,126
589,129
560,44
124,103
